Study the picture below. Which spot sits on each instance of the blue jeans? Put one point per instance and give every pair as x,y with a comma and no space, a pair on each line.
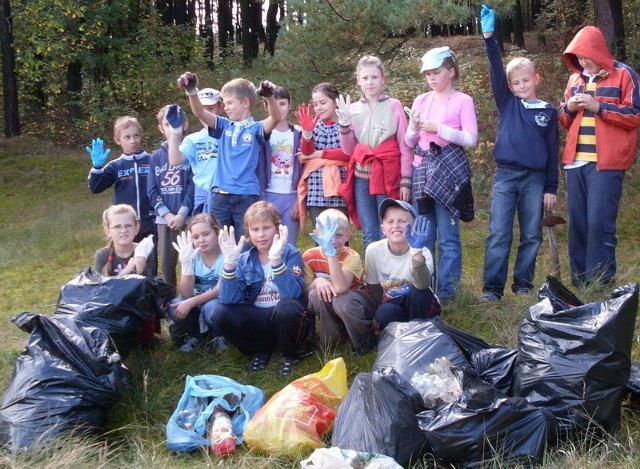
229,209
367,208
520,190
593,202
190,323
448,262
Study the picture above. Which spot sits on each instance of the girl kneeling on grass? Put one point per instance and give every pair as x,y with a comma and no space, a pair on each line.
201,261
122,256
261,307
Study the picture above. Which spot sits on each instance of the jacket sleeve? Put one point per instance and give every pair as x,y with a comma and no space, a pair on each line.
335,154
189,190
406,153
626,112
565,116
232,285
152,189
497,73
288,276
102,179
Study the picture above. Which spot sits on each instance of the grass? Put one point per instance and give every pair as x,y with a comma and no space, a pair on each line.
51,228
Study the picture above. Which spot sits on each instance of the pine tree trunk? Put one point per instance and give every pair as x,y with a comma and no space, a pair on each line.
10,82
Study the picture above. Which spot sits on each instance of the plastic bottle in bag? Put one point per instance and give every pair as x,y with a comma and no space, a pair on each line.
222,441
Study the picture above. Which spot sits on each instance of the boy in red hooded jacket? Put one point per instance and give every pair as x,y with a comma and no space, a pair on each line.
601,111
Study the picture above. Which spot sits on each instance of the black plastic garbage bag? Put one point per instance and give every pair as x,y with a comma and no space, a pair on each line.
410,347
483,424
120,306
576,362
634,379
64,380
560,296
495,366
379,416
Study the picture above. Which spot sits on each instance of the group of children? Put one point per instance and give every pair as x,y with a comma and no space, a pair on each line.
243,189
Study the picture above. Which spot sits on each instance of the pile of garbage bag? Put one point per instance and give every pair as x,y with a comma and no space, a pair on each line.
70,371
437,390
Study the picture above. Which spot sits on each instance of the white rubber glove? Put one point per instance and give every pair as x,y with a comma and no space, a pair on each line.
228,245
344,111
144,247
414,117
279,242
186,252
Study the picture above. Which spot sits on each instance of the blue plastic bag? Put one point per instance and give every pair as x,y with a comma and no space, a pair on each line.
187,427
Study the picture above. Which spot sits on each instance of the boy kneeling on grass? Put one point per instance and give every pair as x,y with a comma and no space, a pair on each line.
333,277
398,268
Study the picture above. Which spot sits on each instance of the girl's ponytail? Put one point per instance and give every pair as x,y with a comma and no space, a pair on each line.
106,270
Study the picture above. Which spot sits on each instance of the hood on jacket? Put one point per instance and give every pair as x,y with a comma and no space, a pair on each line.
588,42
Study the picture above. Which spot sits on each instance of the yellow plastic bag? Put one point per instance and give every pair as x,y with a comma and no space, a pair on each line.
296,418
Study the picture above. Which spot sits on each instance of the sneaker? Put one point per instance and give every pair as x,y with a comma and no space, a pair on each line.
189,344
490,297
217,344
287,366
520,291
259,362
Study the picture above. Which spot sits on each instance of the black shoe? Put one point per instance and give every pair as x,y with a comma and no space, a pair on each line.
490,297
288,364
259,362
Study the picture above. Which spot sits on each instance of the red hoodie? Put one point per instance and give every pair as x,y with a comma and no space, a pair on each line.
618,120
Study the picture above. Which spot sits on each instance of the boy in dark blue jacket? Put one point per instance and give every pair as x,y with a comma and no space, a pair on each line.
128,173
526,178
171,191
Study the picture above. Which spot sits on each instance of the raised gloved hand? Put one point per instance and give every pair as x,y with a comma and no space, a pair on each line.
487,19
186,252
228,245
144,247
266,89
97,152
279,242
188,82
344,111
414,117
417,235
326,236
306,120
175,118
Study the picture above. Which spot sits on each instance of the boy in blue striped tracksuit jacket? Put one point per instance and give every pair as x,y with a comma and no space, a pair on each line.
128,173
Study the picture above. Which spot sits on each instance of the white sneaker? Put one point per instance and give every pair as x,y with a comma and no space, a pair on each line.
189,344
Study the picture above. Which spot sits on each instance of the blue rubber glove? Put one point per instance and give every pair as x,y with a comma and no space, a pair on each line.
487,19
97,153
175,118
325,238
417,235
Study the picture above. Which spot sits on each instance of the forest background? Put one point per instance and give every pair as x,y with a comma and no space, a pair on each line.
70,67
